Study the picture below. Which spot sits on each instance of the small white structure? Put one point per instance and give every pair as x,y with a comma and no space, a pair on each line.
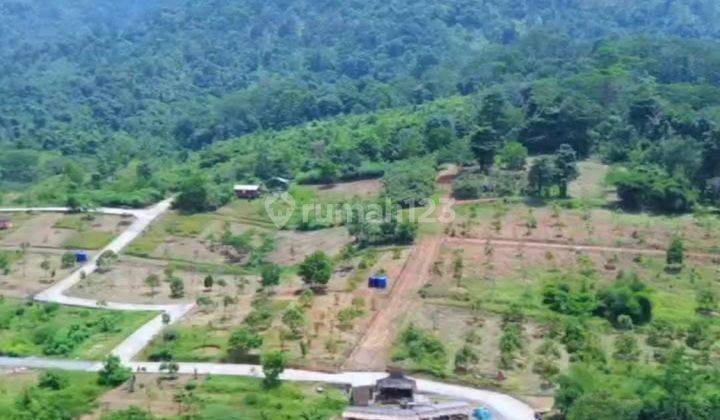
247,191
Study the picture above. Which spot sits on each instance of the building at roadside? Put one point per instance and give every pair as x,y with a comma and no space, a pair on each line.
393,398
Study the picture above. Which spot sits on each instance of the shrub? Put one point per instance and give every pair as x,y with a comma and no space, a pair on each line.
627,296
425,350
113,372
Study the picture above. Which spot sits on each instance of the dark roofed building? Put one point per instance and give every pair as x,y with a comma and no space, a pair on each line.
394,389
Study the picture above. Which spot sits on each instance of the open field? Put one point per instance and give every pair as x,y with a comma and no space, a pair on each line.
76,398
220,398
57,230
590,226
199,238
30,271
334,320
465,304
125,282
51,330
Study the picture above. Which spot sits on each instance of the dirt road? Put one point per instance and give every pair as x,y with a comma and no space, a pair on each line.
528,243
373,350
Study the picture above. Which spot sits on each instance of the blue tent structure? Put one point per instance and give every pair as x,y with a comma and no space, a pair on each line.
81,257
378,282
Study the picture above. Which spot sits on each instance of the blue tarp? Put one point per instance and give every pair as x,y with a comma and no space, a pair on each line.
482,414
81,256
378,282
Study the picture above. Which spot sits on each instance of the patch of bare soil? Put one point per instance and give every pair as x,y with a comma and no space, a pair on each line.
125,282
293,246
27,275
149,394
593,227
52,230
364,188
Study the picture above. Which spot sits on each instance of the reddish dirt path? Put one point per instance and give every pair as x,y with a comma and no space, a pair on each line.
373,351
572,247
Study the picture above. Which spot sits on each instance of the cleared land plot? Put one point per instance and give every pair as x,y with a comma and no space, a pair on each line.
199,238
368,188
31,271
333,321
125,282
589,226
51,330
224,397
57,230
591,182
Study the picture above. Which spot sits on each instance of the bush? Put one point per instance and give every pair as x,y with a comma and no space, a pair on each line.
113,372
652,189
627,296
53,381
410,183
425,350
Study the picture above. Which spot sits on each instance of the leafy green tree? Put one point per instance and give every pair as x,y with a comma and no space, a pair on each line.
270,275
485,143
273,365
113,373
627,296
410,183
316,269
565,168
294,318
706,300
208,281
177,288
541,177
626,348
675,255
152,281
242,341
513,156
193,196
53,380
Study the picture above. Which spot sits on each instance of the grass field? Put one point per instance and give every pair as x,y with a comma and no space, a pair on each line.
34,329
223,398
89,239
22,398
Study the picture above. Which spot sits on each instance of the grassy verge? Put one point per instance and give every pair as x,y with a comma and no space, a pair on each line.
34,329
89,239
22,398
225,397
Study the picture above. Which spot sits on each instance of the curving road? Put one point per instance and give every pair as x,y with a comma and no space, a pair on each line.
133,344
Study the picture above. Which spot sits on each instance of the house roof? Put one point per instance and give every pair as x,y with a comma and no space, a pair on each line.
396,380
241,187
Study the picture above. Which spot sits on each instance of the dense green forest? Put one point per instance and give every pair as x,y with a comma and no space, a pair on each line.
92,88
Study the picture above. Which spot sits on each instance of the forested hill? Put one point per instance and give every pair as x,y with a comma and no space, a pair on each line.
100,76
